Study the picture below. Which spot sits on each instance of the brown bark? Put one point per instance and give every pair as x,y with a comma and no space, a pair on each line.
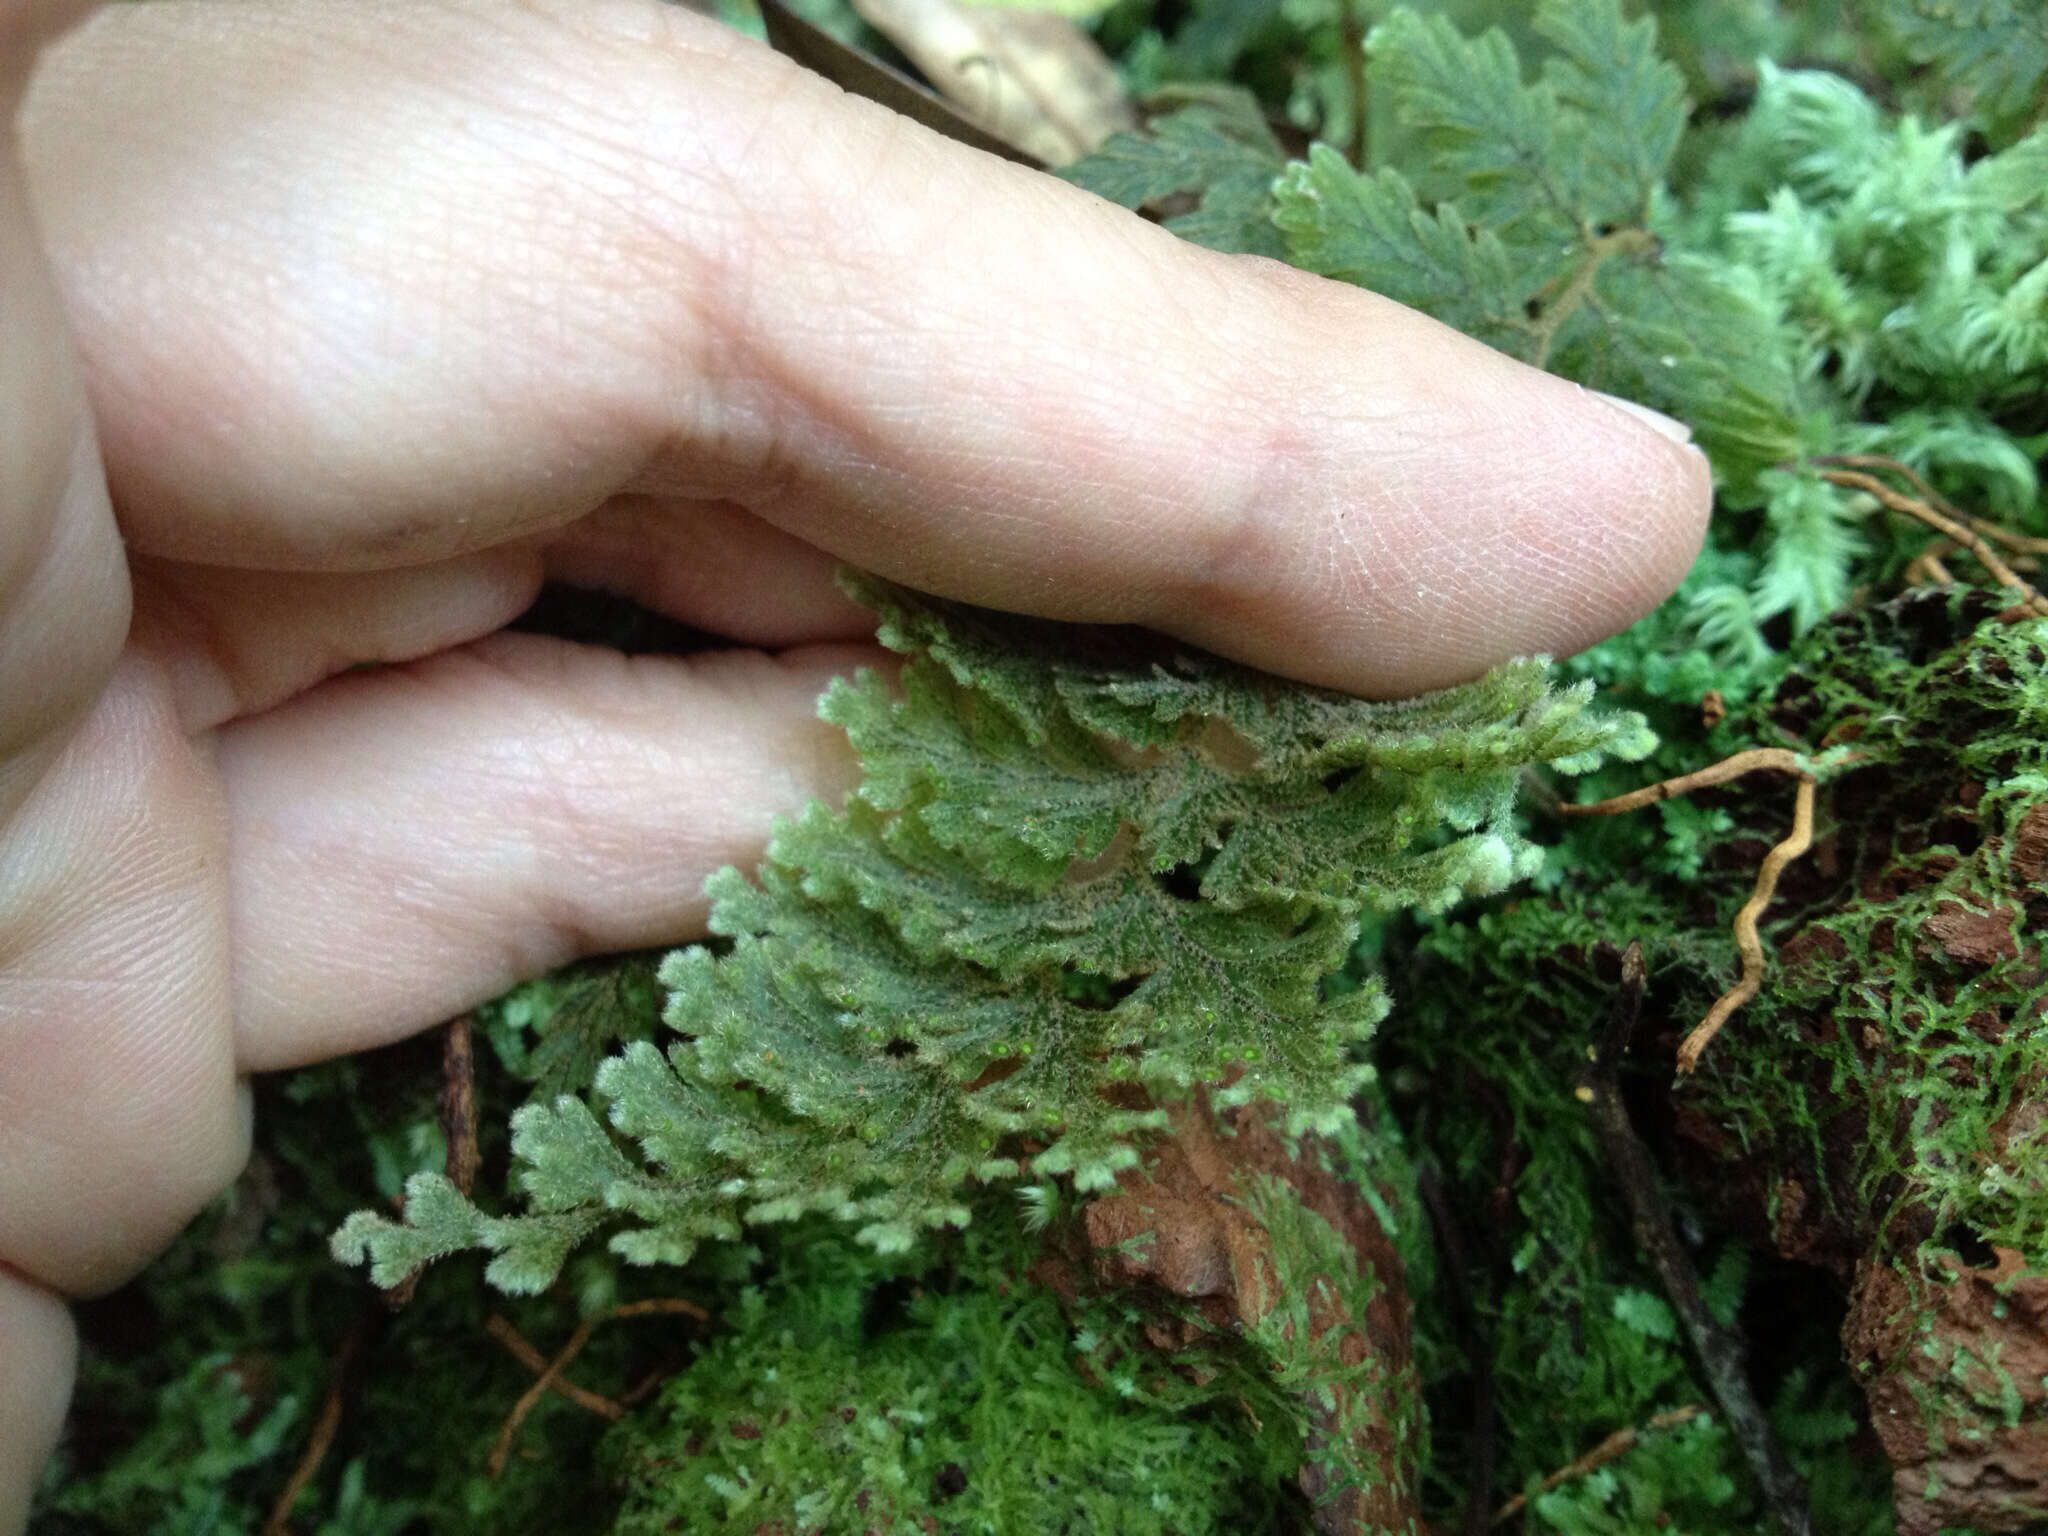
1181,1223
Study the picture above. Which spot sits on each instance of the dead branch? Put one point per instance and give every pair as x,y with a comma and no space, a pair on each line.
670,1306
1926,569
520,1349
1717,1351
1747,942
1756,759
342,1378
458,1104
1621,1441
1998,533
457,1112
1957,527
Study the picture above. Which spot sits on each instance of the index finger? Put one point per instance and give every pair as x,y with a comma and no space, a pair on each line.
454,274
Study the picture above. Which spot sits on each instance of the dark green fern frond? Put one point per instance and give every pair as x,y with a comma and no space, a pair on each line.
1995,52
1217,149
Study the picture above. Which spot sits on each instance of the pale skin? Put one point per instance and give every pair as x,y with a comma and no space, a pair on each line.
327,331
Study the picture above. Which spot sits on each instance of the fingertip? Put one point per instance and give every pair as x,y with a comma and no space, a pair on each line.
1667,427
1609,506
36,1369
1655,496
1417,507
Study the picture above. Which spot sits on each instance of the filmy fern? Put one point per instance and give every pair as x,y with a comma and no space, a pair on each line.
1086,872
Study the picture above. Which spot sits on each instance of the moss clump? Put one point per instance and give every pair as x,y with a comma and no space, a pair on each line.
200,1383
1544,1331
1887,1082
853,1394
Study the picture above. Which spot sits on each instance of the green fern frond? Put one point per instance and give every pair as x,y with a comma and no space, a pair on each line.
1493,141
1994,50
1218,149
1087,872
1370,229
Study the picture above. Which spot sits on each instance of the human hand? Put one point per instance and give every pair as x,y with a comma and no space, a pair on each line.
358,320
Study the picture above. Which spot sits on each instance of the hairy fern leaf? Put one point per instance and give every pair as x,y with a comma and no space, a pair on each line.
1996,50
1372,230
1087,872
1217,149
1494,141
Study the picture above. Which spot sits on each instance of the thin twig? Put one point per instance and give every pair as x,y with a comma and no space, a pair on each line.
341,1385
517,1345
457,1113
1998,533
1717,1351
1899,467
1926,570
643,1389
670,1306
1616,1444
2024,546
1756,759
1748,944
1351,39
458,1104
2031,601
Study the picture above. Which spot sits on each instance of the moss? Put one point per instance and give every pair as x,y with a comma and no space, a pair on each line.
850,1394
1887,1080
1874,1112
200,1382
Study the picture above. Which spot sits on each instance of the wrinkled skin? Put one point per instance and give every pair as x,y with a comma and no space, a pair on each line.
327,332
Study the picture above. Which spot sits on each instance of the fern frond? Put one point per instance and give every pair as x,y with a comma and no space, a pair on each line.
1607,70
1996,50
1499,148
1087,872
1371,230
1222,152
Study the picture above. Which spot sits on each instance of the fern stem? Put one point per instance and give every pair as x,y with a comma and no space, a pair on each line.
1552,313
1352,41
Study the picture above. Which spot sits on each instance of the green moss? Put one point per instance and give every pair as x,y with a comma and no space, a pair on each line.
1363,1400
850,1394
200,1382
1883,1097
